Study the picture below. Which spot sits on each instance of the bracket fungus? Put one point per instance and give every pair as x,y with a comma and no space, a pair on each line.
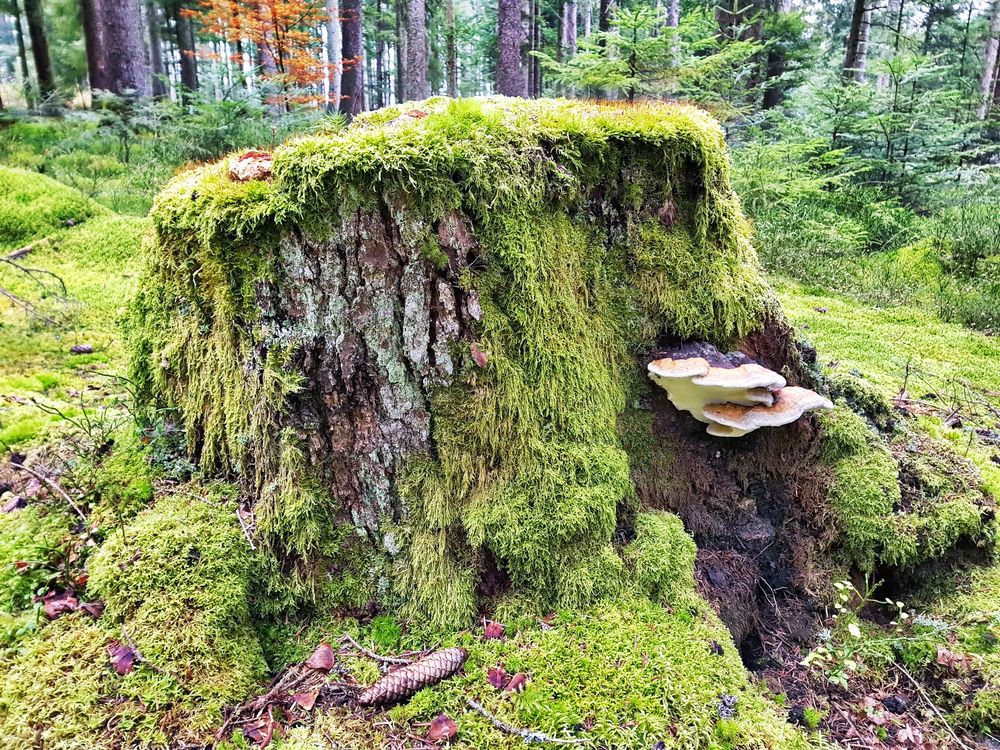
730,393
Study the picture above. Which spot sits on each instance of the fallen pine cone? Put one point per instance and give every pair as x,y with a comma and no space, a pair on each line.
406,681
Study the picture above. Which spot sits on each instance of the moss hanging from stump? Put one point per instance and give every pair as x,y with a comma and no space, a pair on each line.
425,326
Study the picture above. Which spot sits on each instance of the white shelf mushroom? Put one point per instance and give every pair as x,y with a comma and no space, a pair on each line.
732,400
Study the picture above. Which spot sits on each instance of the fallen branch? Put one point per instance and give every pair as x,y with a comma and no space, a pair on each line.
29,307
527,735
930,703
243,525
401,659
54,487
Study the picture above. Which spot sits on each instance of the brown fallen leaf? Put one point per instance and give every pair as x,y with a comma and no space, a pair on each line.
443,727
493,630
122,657
417,114
261,732
251,165
305,701
498,677
55,605
517,683
95,608
321,659
81,349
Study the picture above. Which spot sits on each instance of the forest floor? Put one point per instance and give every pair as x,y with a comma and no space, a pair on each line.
62,374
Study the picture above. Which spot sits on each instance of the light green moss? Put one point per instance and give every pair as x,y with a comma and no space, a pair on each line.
661,556
876,523
179,579
33,206
634,673
33,534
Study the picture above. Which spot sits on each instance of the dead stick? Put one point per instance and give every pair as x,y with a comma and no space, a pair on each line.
372,655
526,734
55,487
929,702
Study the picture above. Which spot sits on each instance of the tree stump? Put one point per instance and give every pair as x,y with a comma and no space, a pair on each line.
419,345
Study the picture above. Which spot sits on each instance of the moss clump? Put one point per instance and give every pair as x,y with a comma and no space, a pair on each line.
179,578
902,504
631,672
528,463
33,206
661,557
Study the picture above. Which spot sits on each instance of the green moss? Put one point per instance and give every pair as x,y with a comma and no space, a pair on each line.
32,206
529,465
876,523
661,556
632,672
33,535
179,580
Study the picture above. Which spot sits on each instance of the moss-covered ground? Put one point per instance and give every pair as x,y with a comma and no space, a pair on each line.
650,663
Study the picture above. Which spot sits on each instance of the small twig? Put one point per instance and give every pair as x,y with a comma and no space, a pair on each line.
402,659
28,307
55,487
929,702
246,529
526,734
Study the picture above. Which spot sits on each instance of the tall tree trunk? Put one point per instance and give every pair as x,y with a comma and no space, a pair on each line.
416,50
123,47
451,47
605,10
22,56
156,69
352,83
857,42
893,26
40,48
510,77
381,90
989,63
568,29
401,93
774,94
91,12
334,52
188,62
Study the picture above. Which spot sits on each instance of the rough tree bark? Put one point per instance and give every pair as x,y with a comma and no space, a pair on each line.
510,76
857,42
158,73
352,81
568,29
40,48
123,48
417,86
184,36
93,34
989,63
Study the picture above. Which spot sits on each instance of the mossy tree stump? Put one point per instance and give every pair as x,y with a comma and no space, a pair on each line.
420,346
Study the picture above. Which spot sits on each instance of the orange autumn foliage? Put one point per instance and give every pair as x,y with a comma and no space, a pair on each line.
285,44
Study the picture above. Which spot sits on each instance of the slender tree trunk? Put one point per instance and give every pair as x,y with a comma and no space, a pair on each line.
531,61
989,63
774,94
40,48
352,83
153,19
187,61
91,12
894,26
123,47
568,29
605,11
22,56
451,47
416,50
401,92
381,90
857,42
510,78
334,52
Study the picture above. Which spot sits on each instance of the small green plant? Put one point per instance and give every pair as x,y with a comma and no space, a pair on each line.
847,645
812,717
